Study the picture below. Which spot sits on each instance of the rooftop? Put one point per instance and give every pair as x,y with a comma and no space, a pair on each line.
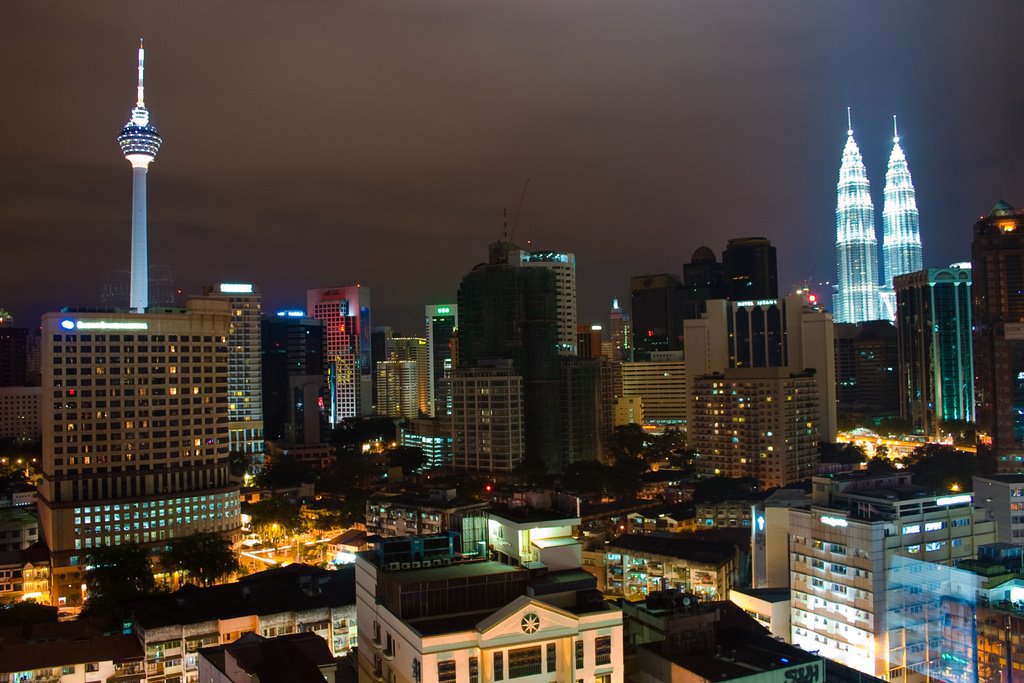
676,545
285,659
766,594
39,646
456,570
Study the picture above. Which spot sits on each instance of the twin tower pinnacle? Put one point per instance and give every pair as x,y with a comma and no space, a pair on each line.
139,143
859,296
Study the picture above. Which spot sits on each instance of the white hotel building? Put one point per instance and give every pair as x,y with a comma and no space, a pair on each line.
841,548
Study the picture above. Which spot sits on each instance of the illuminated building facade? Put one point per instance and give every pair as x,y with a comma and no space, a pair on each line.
901,235
139,143
135,437
488,431
856,297
346,315
660,385
245,374
997,256
442,321
621,332
398,388
415,350
936,355
842,548
759,423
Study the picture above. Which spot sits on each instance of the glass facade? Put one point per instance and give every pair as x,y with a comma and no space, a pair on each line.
856,245
901,236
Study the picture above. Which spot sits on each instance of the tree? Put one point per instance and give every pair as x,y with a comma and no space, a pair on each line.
878,465
275,518
714,489
627,440
409,458
204,557
117,573
843,453
665,446
282,472
943,467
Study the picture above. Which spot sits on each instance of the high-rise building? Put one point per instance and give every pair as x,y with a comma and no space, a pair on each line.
135,442
703,281
856,246
867,368
997,255
347,357
936,359
582,428
139,143
756,422
415,350
13,356
789,333
398,388
488,418
751,269
657,314
901,235
245,374
621,332
295,392
442,320
563,265
508,312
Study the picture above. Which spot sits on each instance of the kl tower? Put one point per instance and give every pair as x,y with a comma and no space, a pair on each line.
139,143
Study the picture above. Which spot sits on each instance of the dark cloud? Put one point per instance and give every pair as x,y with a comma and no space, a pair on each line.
315,143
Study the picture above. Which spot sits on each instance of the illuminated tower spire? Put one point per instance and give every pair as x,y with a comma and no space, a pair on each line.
856,245
139,143
901,237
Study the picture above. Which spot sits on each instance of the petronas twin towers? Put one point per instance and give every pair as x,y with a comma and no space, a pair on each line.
859,296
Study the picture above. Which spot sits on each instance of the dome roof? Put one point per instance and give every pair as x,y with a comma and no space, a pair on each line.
703,255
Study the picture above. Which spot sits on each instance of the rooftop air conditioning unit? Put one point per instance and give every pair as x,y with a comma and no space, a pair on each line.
416,565
394,565
436,563
405,565
446,561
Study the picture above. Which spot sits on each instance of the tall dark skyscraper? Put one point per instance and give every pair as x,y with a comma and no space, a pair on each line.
13,356
657,314
509,312
294,382
751,269
933,324
997,255
441,319
703,281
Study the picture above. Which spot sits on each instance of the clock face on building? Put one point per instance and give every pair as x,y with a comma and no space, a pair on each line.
530,623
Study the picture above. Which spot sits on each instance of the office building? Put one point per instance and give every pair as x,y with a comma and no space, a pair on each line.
488,422
901,235
997,256
703,281
867,368
856,298
588,341
936,352
13,356
295,390
769,546
380,338
485,620
245,374
620,330
398,388
345,312
751,269
656,306
508,312
759,423
661,387
789,333
19,413
442,321
139,143
433,436
1002,496
563,266
583,420
135,442
842,548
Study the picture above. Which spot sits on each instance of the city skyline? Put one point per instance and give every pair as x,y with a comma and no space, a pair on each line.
307,146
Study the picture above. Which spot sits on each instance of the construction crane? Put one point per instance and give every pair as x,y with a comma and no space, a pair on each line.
509,234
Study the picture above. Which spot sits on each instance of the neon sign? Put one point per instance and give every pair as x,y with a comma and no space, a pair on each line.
68,324
237,288
834,521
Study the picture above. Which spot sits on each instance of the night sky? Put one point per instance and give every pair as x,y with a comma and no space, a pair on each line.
314,143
